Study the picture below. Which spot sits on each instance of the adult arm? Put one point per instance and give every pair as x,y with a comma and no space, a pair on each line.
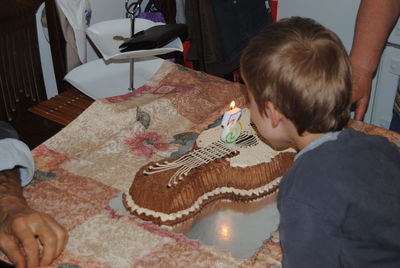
375,20
27,237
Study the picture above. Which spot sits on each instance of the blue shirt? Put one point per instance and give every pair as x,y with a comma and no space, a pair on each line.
15,153
340,203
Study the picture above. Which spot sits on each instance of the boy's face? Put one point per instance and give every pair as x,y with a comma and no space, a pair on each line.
276,135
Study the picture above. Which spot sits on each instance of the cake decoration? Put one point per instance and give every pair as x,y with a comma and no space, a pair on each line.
231,125
200,157
174,191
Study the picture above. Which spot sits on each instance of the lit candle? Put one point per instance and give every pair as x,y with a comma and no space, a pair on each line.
231,126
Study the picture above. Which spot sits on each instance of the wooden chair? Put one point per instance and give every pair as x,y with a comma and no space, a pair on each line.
69,103
21,79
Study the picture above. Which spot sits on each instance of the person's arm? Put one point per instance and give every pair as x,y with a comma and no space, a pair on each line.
28,238
375,20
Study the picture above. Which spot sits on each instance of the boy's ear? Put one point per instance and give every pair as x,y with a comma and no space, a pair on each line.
275,115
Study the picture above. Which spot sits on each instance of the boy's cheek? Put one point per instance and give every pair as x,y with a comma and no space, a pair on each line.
254,115
262,132
270,140
280,143
251,115
274,139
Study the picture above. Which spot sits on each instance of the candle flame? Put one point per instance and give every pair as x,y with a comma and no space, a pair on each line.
232,105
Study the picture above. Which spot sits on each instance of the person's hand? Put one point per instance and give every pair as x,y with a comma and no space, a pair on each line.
362,82
30,238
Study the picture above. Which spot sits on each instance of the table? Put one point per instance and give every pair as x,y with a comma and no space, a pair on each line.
94,158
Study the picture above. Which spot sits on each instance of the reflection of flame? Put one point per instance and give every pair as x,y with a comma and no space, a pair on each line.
232,105
225,232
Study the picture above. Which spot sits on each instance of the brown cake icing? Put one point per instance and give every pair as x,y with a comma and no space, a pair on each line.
168,193
151,191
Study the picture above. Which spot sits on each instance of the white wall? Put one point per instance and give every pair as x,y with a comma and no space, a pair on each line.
337,15
103,10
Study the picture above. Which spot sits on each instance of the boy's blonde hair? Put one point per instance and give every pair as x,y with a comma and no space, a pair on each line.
304,70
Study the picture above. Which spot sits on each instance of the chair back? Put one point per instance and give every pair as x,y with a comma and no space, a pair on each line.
21,78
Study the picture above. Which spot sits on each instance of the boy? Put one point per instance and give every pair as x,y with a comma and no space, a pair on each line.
340,202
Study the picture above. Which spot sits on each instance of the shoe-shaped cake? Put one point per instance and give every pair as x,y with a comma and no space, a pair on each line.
171,192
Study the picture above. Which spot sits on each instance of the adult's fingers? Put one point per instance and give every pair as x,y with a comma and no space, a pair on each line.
42,238
53,239
361,93
29,243
61,234
10,247
361,108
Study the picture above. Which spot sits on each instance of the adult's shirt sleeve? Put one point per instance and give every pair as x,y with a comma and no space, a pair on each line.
15,153
304,237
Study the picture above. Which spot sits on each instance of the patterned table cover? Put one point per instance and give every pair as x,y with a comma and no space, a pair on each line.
95,157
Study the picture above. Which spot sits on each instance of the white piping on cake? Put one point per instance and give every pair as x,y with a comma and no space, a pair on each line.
201,156
222,190
248,155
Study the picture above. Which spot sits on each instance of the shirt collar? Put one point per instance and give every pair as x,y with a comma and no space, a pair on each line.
330,136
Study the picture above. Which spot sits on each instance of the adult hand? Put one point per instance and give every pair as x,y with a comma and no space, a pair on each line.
30,238
362,82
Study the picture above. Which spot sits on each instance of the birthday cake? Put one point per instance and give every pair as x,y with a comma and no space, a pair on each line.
171,192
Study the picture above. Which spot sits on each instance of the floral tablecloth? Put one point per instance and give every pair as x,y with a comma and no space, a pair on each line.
94,159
